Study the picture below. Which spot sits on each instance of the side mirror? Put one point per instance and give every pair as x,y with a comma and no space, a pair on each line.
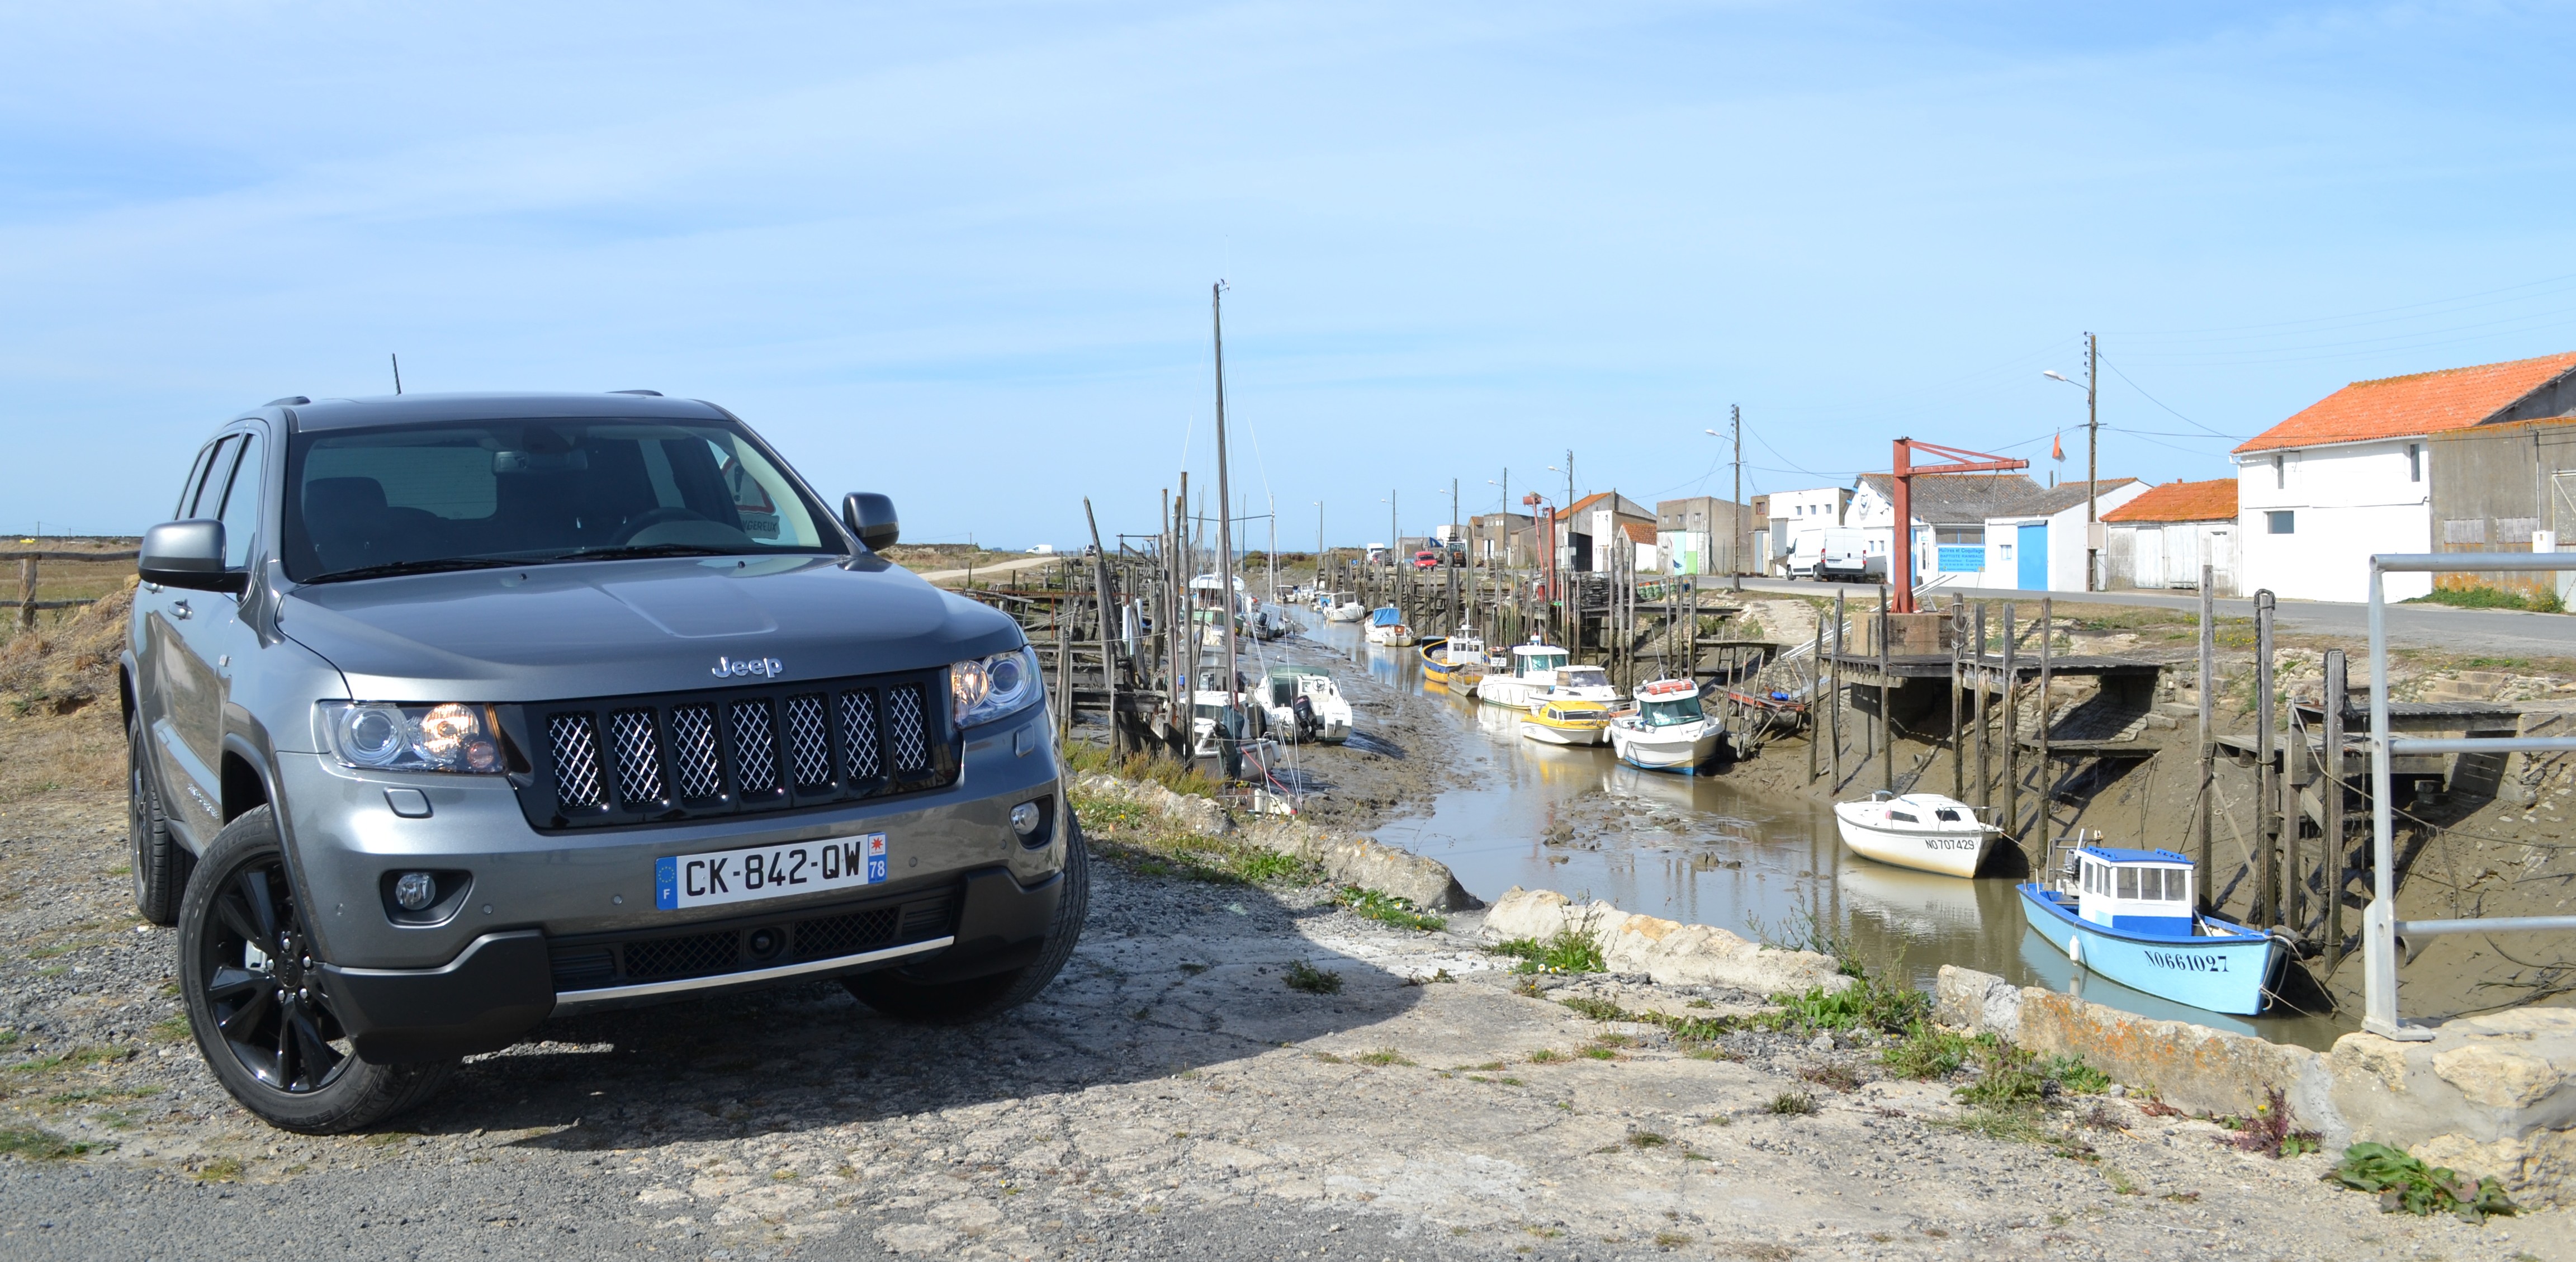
870,516
188,554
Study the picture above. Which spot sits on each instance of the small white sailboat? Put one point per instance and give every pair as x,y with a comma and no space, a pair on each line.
1669,730
1533,671
1306,705
1387,627
1923,831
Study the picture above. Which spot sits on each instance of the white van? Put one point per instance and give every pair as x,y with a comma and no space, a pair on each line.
1835,552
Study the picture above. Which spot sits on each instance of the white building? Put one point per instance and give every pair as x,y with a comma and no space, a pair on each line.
2350,476
2041,545
2160,540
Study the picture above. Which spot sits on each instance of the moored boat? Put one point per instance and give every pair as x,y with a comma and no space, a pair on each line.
1305,705
2127,915
1453,659
1580,683
1566,722
1532,672
1923,831
1388,628
1344,607
1669,730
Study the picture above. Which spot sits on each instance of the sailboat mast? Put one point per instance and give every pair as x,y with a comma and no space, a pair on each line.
1224,497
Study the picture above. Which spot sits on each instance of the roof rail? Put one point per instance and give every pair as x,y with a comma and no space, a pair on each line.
290,401
655,393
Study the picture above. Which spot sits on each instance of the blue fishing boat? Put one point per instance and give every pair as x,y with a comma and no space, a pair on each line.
2127,915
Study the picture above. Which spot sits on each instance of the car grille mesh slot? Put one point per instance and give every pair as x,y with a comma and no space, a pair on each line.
576,752
859,735
809,741
844,935
639,770
695,762
685,956
908,729
630,760
755,747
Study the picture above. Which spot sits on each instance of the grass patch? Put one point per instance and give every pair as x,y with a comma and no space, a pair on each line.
1567,950
1178,777
96,1095
2489,598
220,1170
2406,1185
1382,1057
1928,1051
1387,908
1547,1056
1646,1139
1791,1104
1871,1002
1837,1077
1312,980
41,1145
1134,837
72,1059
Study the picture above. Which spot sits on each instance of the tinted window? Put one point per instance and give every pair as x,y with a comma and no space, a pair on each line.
538,491
240,511
188,489
208,492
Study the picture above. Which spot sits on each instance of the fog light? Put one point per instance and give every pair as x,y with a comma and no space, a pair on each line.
415,891
1024,818
765,943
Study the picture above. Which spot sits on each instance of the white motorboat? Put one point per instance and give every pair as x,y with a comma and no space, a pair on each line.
1345,607
1306,705
1669,730
1923,831
1580,683
1532,672
1208,715
1388,628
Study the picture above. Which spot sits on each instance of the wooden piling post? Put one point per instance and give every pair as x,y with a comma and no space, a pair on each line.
1838,690
1958,751
2266,778
2331,794
1886,699
1815,729
2047,769
1108,658
27,593
2011,734
1985,784
2206,808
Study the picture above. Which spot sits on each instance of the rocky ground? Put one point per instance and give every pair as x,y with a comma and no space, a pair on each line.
1171,1096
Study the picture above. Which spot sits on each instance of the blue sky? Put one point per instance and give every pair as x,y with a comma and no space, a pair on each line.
961,252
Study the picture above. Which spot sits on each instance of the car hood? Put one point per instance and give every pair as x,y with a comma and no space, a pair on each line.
612,628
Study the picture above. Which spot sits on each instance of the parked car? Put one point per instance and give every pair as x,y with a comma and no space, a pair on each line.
1426,560
1835,552
449,714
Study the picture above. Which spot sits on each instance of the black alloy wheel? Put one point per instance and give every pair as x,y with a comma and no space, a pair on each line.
258,1000
263,984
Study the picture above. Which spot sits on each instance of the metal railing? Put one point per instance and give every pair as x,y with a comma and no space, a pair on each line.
2380,927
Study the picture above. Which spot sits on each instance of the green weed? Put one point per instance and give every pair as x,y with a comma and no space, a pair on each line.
1928,1051
1381,1057
1312,980
41,1145
1387,908
1566,951
2405,1183
2490,598
1791,1104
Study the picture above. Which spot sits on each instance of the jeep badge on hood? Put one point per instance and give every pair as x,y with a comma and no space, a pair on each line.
769,666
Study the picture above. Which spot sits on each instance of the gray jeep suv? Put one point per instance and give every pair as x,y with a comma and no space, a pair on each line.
449,714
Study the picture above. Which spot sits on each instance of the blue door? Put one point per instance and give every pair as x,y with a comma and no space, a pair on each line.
2034,557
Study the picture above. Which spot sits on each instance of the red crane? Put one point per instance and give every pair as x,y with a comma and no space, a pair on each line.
1901,562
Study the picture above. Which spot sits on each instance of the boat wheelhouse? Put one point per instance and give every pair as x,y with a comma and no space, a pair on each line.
1566,722
1305,705
2129,915
1580,683
1533,671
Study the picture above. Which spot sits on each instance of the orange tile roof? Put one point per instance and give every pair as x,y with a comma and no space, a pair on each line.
2404,407
2214,500
1639,531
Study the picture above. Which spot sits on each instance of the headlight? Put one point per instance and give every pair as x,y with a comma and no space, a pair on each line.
986,688
447,737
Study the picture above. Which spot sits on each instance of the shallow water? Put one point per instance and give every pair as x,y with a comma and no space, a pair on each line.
1701,849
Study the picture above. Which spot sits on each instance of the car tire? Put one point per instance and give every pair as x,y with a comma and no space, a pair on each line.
977,998
263,1021
160,862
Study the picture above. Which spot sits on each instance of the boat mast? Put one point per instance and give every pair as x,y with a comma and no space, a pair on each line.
1224,498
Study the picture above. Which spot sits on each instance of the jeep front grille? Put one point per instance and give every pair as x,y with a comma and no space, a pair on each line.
634,760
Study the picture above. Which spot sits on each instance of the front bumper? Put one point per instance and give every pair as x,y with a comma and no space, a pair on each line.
504,984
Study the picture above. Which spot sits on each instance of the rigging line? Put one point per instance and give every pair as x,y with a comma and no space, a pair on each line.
2429,302
2115,371
2171,433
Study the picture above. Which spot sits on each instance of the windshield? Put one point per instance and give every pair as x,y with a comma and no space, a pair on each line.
1537,663
513,492
1668,713
1583,677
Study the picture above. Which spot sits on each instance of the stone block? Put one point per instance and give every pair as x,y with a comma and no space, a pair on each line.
1672,953
1979,1003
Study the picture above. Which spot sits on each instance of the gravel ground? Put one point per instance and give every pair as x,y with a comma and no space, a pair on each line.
1169,1097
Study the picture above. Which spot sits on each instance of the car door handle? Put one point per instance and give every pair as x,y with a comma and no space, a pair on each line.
179,609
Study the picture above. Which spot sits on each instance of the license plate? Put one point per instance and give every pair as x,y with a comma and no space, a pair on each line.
741,876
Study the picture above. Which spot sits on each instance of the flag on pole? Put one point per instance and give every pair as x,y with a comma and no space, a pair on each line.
2057,447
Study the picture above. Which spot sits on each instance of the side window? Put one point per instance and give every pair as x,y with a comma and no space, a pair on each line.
240,511
199,501
188,489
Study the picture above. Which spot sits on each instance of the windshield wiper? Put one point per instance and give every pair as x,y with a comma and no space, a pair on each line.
630,551
440,565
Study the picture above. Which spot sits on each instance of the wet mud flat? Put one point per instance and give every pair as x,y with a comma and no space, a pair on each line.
1170,1096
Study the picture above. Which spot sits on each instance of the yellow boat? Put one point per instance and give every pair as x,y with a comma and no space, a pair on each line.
1453,659
1567,723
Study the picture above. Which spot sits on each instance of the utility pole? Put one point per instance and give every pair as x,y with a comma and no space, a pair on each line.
1394,536
1319,544
2092,441
1735,579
